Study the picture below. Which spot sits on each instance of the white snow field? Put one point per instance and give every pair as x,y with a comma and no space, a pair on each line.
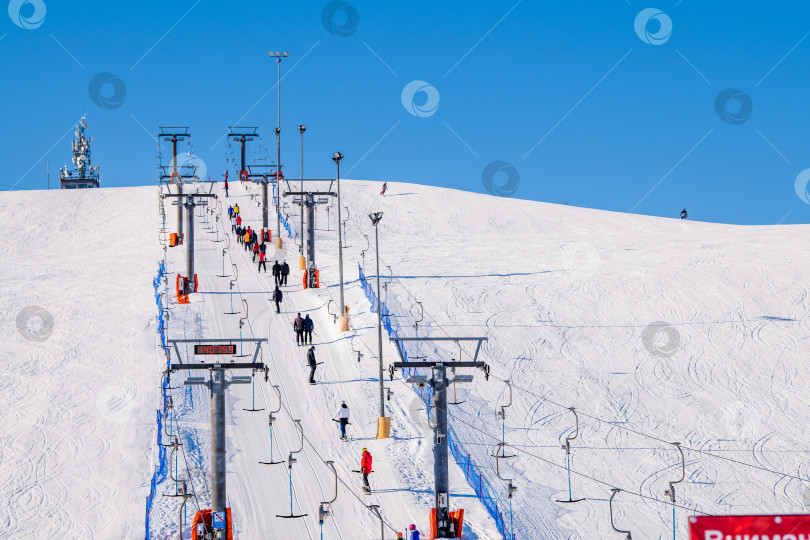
78,382
566,297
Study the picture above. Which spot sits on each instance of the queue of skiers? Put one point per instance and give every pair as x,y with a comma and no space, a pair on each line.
303,328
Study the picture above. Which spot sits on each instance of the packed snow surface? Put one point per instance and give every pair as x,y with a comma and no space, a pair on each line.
655,330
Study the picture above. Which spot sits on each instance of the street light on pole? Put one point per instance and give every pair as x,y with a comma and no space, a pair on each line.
302,264
278,56
383,423
344,319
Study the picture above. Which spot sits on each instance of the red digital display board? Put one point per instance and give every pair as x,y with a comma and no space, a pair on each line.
215,349
791,527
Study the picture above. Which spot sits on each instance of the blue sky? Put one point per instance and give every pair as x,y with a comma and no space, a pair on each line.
553,101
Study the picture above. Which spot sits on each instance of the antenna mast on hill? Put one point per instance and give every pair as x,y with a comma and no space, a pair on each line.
83,174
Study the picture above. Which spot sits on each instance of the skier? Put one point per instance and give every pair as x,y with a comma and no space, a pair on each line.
255,250
298,326
233,223
384,189
365,468
238,234
308,325
277,296
262,262
277,273
263,247
343,419
684,215
238,217
414,533
246,238
312,364
236,210
254,237
285,271
226,185
230,212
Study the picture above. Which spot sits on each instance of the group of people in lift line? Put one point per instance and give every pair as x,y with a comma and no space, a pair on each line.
303,327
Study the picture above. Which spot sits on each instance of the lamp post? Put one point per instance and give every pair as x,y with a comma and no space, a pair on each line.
344,320
278,56
383,423
302,265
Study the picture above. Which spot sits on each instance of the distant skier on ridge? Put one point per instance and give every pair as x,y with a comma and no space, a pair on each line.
384,189
684,215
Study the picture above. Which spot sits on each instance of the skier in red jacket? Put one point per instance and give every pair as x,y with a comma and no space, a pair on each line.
365,468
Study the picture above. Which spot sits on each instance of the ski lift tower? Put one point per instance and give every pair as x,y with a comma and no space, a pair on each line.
242,135
444,524
174,134
83,174
309,199
264,174
189,201
218,520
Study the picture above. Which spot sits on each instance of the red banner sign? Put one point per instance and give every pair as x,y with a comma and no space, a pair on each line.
749,527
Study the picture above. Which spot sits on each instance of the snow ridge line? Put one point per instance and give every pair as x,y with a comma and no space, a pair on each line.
161,469
482,488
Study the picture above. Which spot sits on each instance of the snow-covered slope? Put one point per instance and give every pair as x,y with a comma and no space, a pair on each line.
78,375
565,296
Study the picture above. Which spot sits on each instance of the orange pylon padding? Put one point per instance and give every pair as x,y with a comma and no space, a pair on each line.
195,282
457,518
305,279
204,516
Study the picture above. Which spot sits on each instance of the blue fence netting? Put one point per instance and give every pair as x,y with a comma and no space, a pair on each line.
284,222
474,474
162,467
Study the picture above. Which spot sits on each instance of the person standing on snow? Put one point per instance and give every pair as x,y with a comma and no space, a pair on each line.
343,418
277,273
255,250
262,262
384,189
414,533
285,271
365,468
309,324
277,296
298,326
238,217
246,239
230,212
233,223
236,210
312,364
226,184
263,247
684,215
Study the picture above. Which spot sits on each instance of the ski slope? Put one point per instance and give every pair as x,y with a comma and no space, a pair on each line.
565,296
78,372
